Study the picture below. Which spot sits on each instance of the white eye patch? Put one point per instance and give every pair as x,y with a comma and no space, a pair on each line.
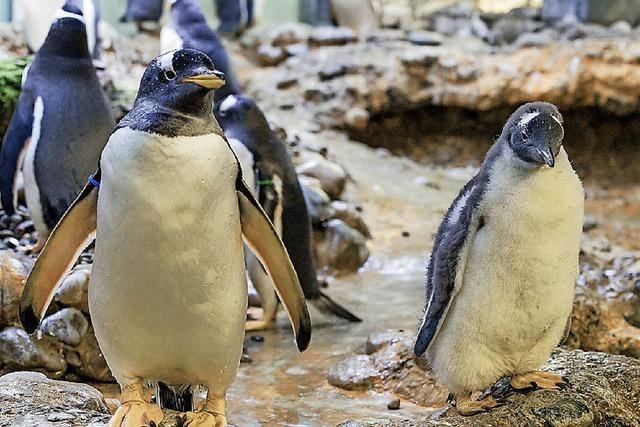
64,14
166,61
228,102
526,118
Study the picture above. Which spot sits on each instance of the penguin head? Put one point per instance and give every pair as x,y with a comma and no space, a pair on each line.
238,113
182,81
534,134
68,33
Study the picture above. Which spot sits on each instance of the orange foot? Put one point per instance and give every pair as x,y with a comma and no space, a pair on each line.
538,379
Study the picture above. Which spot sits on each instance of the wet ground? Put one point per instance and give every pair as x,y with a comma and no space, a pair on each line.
284,388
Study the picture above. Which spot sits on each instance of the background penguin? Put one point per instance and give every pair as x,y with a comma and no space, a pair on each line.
187,28
143,11
280,194
60,125
33,18
501,276
168,180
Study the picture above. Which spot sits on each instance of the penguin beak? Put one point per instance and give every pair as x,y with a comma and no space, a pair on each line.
547,155
209,80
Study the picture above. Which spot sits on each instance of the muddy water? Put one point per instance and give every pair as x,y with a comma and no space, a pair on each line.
281,387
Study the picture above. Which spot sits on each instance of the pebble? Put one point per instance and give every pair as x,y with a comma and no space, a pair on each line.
393,404
425,38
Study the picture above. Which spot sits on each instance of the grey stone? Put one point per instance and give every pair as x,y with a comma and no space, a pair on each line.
353,373
270,55
425,38
332,177
332,36
318,202
68,325
343,249
350,215
19,351
333,70
73,291
31,399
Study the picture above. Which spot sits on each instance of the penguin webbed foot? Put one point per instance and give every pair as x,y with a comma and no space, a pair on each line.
539,379
476,403
202,419
136,414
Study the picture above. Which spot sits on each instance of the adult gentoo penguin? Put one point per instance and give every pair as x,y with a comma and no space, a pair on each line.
60,124
279,193
501,276
33,18
142,11
168,290
187,28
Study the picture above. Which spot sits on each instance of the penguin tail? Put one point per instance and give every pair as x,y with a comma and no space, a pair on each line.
176,398
333,310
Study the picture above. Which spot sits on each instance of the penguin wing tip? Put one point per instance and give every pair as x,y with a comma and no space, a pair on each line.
28,319
303,338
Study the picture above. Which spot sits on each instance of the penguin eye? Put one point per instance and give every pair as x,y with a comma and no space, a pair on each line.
524,136
169,75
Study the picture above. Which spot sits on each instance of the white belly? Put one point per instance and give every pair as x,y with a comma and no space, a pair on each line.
518,285
168,293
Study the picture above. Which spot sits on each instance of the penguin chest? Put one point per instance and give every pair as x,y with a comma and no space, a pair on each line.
168,283
523,263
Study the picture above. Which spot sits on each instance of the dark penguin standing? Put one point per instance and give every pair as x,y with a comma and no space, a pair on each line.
188,29
60,124
143,11
279,193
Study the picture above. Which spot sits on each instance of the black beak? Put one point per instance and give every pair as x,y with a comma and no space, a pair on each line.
547,155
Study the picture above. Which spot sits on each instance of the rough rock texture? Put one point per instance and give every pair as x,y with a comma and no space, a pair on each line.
390,365
31,399
604,391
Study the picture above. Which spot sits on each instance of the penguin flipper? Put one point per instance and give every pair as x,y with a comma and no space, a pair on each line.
75,231
448,259
263,240
13,145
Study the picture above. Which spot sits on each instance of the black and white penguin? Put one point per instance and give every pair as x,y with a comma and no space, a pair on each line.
187,28
60,124
279,193
169,210
143,11
501,277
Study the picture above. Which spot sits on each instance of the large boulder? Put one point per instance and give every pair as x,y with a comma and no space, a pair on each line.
604,391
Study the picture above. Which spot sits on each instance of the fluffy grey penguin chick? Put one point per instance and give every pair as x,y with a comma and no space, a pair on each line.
500,280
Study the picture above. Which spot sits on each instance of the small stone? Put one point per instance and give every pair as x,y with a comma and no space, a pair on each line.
589,222
288,34
353,373
11,242
332,177
296,49
14,268
356,118
393,404
287,83
343,248
19,351
406,234
246,358
257,338
68,325
332,36
332,70
425,38
26,227
423,57
317,94
318,202
621,27
351,216
270,55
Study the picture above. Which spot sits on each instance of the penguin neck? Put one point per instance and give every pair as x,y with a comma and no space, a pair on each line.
65,43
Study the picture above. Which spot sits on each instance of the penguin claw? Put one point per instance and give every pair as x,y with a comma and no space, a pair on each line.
538,379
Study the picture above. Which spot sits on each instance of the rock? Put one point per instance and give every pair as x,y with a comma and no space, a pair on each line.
31,399
87,360
73,291
356,118
286,82
354,373
296,49
270,55
425,38
604,390
589,223
318,202
598,324
621,27
393,404
541,39
19,351
317,93
342,248
14,269
390,365
288,34
351,216
332,176
424,57
332,36
333,70
68,325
